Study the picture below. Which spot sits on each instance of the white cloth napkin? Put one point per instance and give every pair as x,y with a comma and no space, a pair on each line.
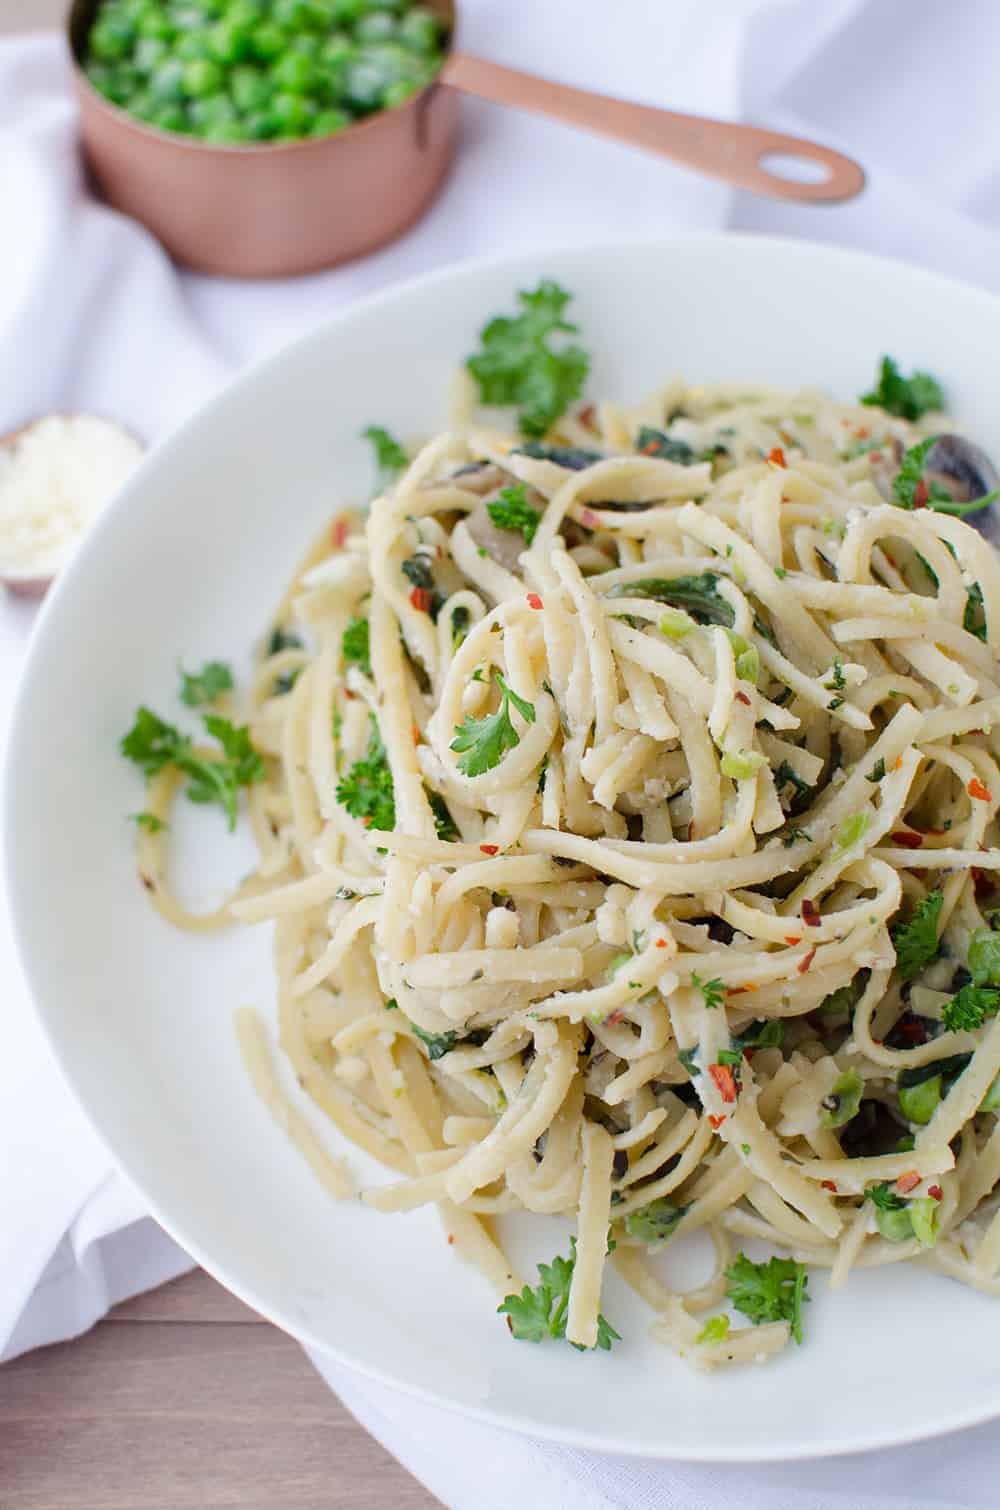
93,316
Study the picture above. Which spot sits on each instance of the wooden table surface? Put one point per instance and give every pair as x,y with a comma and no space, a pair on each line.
183,1399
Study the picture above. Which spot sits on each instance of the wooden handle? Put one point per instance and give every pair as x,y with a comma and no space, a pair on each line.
723,150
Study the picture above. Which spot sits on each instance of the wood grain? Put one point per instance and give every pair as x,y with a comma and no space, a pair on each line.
183,1399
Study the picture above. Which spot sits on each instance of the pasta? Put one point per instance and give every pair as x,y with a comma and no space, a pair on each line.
628,833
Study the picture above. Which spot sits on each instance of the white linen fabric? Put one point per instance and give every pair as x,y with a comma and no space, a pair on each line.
93,316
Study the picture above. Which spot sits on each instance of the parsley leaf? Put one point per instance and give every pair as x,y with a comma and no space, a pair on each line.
656,1222
713,991
444,823
716,1329
541,1312
836,681
909,398
417,570
512,511
764,1033
206,685
483,741
366,791
573,458
910,478
970,1007
149,821
390,457
884,1198
436,1044
795,835
650,442
787,775
152,744
772,1291
916,942
699,596
974,618
282,640
354,646
877,772
518,364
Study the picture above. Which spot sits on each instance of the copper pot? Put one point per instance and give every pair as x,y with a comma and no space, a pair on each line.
278,208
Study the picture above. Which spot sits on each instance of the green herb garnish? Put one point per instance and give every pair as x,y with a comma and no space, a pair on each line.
201,688
355,645
483,741
970,1007
699,596
650,442
540,1312
909,398
713,991
149,821
367,791
444,823
656,1222
520,364
152,744
771,1291
512,511
390,458
910,490
916,942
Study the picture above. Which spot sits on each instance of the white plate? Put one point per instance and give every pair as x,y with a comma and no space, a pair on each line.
188,563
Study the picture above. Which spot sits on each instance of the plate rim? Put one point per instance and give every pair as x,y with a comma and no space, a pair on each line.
774,1450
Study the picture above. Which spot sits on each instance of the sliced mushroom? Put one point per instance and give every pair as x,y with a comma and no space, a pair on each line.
967,472
505,547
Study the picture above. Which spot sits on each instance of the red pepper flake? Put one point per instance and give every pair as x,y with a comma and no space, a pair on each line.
421,599
661,943
914,1031
875,456
349,694
748,1054
890,558
715,1122
490,849
935,1192
724,1080
589,518
776,457
690,836
416,734
898,763
977,790
793,938
338,533
614,1019
451,1239
367,821
907,839
907,1182
650,448
748,985
828,1185
810,914
921,493
586,417
534,601
803,964
741,697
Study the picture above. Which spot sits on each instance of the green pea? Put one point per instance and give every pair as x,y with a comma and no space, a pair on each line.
328,122
228,43
142,105
100,74
226,133
246,13
923,1214
111,39
295,14
991,1101
399,92
918,1103
895,1226
202,78
346,12
249,88
191,46
261,125
149,53
294,113
364,84
171,118
122,84
296,74
167,83
308,44
157,25
844,1099
267,42
378,27
390,5
420,30
213,110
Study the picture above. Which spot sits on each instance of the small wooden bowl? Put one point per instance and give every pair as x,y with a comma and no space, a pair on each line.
271,209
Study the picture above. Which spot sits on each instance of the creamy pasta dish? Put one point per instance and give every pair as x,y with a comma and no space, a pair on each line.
625,789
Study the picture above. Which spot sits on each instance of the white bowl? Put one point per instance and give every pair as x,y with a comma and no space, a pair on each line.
189,563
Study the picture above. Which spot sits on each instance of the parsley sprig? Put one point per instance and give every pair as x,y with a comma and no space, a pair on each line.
390,457
970,1007
201,688
713,991
540,1312
771,1291
510,510
909,398
482,742
367,791
910,478
520,364
916,942
355,645
151,744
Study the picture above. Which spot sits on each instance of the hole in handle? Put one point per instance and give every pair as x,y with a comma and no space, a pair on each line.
794,169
